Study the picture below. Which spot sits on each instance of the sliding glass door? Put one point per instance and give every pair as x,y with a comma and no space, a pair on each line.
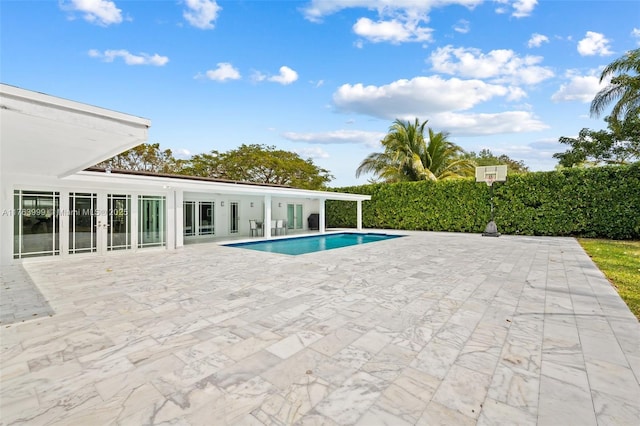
151,221
294,216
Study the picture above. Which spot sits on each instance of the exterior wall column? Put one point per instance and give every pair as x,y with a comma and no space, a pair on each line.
359,226
6,220
266,225
179,217
322,214
171,220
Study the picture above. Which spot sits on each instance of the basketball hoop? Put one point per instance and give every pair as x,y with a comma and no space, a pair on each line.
489,175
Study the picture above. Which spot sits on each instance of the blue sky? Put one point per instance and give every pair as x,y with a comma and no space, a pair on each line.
322,78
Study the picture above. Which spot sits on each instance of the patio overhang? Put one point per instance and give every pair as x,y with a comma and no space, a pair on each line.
45,135
195,185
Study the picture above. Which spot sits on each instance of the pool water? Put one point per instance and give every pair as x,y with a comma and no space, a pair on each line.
314,243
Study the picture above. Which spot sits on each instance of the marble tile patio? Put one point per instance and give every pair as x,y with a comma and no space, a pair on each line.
430,329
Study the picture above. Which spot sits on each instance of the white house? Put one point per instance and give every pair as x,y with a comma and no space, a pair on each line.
52,203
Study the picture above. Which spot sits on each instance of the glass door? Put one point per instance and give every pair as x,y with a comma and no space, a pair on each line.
234,216
36,229
118,222
205,224
294,216
151,221
83,226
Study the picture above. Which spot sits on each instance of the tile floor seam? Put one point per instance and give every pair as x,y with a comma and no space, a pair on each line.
584,361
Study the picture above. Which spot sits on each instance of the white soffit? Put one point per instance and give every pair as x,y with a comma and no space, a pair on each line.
112,180
49,136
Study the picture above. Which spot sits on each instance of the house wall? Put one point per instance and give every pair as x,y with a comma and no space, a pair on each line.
64,187
250,207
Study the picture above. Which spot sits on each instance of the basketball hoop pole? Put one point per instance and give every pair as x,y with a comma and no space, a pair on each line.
491,230
491,186
491,175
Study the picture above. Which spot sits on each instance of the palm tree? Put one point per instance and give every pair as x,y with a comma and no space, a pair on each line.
625,87
408,156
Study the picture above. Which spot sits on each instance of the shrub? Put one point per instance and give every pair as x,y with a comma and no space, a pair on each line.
596,202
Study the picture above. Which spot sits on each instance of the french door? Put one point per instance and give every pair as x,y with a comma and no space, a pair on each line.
99,223
48,223
294,216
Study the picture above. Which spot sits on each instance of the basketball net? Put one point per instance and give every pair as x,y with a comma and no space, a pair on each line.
490,179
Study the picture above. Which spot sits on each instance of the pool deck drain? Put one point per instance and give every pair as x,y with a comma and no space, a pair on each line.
434,328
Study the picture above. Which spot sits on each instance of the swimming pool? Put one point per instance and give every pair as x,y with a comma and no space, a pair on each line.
313,243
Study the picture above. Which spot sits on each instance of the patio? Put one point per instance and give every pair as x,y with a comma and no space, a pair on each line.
433,328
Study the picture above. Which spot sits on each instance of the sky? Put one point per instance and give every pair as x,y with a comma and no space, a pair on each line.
326,78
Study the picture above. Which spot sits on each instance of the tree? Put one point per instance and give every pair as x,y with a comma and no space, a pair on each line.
259,164
408,156
487,158
145,157
619,145
625,87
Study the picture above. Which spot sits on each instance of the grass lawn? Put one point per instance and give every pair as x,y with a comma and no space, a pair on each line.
620,262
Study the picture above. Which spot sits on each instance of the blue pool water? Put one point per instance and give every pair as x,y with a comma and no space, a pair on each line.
302,245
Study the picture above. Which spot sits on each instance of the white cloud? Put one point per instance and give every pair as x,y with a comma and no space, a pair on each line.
462,26
201,13
536,40
182,153
318,9
398,21
286,76
419,97
101,12
636,34
581,88
370,139
225,71
537,155
129,58
394,31
487,124
522,8
257,76
313,152
498,65
440,101
594,44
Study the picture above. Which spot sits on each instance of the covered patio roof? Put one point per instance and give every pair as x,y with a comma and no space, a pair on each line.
48,136
198,184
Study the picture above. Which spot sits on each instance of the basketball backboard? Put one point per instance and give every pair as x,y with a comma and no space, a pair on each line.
490,174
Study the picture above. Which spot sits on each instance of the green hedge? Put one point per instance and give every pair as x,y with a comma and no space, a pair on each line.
595,202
